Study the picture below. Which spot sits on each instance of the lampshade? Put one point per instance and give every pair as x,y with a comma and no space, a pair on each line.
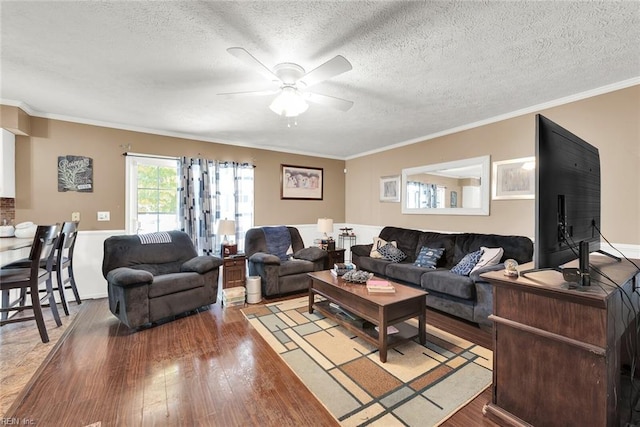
289,103
325,225
227,227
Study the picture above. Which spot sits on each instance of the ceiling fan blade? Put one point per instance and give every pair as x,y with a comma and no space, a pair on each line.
330,101
252,62
331,68
250,93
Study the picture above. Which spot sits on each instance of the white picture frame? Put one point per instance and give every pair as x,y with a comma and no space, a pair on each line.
514,179
390,188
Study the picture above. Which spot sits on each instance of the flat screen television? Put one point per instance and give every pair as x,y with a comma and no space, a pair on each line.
567,201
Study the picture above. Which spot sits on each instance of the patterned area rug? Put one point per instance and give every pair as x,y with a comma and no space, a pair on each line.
418,386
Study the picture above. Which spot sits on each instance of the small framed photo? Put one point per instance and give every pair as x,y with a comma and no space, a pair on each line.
514,179
301,182
390,188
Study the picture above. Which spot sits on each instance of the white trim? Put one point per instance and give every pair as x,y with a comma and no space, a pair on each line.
150,156
532,109
485,188
131,185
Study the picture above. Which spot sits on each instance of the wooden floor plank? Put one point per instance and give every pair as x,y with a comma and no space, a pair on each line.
208,368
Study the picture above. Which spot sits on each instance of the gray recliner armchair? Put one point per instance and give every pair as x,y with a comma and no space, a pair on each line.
278,256
155,276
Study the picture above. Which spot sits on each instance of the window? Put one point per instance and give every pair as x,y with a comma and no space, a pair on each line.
219,190
152,195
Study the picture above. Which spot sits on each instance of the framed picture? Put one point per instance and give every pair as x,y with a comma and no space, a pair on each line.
75,173
454,199
390,188
514,179
301,182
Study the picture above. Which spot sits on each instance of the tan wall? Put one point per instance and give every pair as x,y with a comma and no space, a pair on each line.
610,122
15,120
38,199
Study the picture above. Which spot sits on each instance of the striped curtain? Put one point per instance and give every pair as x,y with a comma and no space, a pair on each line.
211,191
234,197
195,203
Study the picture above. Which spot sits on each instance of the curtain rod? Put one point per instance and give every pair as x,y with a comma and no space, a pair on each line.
151,156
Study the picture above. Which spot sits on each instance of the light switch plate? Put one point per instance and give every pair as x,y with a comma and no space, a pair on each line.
75,216
104,216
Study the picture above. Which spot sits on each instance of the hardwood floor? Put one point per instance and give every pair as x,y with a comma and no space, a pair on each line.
207,369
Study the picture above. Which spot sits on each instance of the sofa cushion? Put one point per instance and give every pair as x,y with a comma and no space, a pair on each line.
407,239
391,253
490,256
174,283
438,240
428,257
466,264
517,247
295,266
374,265
445,282
377,244
406,272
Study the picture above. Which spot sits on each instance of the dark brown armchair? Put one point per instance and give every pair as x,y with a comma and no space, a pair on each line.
278,256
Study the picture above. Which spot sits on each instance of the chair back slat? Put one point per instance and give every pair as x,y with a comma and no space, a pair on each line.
43,246
65,245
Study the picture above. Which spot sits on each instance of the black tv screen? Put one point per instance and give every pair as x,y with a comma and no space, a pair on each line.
567,196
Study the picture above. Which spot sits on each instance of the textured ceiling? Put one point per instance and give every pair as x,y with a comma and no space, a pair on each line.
419,68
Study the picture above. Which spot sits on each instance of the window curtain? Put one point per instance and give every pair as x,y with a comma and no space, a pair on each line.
195,203
234,198
213,190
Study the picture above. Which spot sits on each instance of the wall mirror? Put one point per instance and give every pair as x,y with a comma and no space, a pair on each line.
460,187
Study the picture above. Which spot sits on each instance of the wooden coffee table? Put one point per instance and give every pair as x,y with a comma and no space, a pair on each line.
371,310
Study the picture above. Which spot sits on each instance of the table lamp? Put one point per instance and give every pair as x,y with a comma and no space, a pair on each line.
325,225
227,227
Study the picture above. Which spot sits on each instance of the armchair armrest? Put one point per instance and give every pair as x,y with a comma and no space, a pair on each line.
125,276
201,264
264,258
312,254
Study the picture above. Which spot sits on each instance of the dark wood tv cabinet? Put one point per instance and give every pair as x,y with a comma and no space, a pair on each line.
559,352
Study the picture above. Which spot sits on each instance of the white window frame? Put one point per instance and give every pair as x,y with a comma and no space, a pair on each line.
131,185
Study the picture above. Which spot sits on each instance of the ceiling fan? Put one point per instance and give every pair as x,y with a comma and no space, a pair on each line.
292,82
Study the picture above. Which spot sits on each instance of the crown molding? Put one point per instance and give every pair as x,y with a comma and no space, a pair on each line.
533,109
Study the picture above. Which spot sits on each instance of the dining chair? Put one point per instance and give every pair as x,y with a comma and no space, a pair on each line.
29,279
64,261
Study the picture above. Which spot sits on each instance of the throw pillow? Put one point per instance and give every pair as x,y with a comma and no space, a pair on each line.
377,244
391,253
490,256
466,264
428,257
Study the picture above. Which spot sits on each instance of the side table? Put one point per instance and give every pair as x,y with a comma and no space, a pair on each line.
234,271
346,241
335,256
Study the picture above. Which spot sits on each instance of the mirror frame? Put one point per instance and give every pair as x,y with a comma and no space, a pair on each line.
485,187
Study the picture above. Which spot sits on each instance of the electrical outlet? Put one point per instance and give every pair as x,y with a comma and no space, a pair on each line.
104,216
75,216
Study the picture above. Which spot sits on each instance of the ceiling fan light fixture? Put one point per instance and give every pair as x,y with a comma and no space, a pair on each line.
289,103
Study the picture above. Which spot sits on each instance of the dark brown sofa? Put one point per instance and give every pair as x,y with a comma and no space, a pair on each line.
156,276
468,297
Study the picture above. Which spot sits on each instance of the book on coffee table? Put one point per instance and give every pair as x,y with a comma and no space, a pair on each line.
380,286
